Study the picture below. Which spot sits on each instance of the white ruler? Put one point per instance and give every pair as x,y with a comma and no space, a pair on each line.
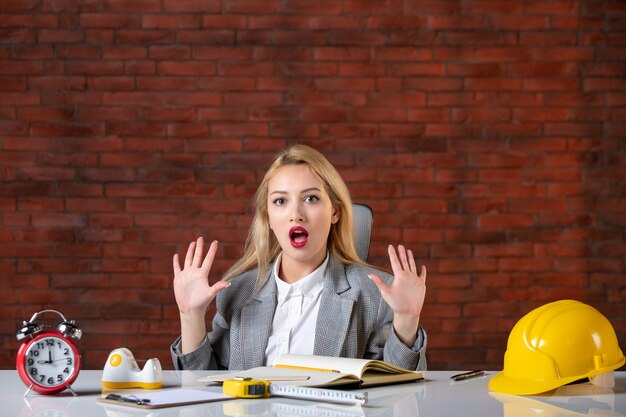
319,394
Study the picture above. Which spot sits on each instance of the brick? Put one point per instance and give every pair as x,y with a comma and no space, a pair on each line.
224,21
212,145
187,130
193,6
281,53
468,265
20,99
30,20
419,69
109,20
238,130
521,23
479,37
378,114
12,83
149,36
256,37
450,130
239,99
19,5
204,37
506,221
275,113
481,115
433,84
139,6
554,114
454,22
278,22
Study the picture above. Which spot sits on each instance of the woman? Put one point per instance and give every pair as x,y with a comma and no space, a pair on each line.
300,286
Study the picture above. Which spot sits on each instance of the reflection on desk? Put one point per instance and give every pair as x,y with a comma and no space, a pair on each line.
570,400
436,396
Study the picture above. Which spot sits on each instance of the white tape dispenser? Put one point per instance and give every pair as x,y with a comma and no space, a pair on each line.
121,371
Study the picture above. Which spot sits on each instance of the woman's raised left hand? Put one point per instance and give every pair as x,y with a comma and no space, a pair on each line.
406,293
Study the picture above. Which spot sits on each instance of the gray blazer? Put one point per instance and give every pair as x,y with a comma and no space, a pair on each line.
353,321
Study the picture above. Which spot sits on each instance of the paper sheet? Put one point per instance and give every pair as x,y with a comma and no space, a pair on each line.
170,398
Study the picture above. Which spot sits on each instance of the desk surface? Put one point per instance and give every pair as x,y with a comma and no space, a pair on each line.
436,396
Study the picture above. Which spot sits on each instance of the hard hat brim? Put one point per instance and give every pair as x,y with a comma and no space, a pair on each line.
506,385
501,383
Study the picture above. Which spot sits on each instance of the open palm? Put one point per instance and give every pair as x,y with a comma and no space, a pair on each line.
406,293
191,283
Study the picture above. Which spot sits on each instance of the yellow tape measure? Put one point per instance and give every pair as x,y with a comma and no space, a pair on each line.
247,388
242,387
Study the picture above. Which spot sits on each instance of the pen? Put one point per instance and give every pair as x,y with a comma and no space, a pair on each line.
130,399
467,375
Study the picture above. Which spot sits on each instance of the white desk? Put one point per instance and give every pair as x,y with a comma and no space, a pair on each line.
437,396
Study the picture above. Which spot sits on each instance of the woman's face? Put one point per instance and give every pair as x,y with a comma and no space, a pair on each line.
300,215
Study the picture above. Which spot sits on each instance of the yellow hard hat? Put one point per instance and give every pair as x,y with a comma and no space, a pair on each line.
556,344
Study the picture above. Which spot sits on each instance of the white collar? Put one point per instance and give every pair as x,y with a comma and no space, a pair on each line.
312,283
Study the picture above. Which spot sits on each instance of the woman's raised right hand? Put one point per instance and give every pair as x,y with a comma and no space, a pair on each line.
191,283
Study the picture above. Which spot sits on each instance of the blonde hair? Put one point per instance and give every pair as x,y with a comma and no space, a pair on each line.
262,246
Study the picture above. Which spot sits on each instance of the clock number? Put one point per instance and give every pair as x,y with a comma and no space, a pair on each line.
69,361
41,378
34,353
49,342
50,380
59,378
66,370
30,362
33,371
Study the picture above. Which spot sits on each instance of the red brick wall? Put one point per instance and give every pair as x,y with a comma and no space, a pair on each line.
488,136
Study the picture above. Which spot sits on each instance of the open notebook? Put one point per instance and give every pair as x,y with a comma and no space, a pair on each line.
324,371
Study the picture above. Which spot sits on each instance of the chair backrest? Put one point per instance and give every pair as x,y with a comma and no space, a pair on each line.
363,219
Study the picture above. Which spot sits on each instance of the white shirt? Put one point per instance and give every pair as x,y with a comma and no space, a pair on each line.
295,318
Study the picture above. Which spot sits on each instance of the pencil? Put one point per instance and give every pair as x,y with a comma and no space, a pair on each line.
305,368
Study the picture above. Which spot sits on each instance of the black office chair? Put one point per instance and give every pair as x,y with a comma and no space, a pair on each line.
363,219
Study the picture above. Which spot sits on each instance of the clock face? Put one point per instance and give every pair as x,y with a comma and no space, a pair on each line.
48,362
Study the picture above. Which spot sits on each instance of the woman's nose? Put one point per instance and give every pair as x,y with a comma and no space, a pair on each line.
296,213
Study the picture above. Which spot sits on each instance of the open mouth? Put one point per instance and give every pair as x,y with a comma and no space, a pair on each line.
298,236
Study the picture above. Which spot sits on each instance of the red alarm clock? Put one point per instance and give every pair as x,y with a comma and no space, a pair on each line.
48,361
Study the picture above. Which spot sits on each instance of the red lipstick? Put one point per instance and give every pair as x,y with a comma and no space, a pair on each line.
298,236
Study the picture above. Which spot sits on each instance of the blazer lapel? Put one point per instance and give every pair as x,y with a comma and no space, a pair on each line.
256,322
333,319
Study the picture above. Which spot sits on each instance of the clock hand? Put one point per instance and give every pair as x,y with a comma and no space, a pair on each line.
49,358
53,360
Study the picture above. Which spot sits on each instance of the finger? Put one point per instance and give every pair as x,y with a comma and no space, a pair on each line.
393,259
412,265
220,285
210,256
423,274
176,263
217,288
403,259
382,285
197,256
189,255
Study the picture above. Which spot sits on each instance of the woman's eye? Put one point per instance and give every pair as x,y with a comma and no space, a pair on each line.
279,201
311,198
